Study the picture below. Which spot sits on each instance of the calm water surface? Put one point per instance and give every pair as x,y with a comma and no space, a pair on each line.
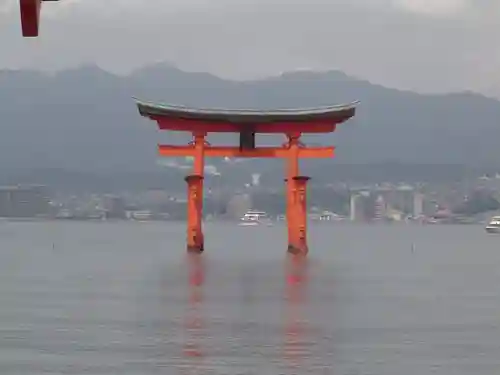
125,299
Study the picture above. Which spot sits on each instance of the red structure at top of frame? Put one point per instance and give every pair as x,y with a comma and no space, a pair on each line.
30,16
304,120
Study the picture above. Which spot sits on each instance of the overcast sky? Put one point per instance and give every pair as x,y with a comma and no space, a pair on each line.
424,45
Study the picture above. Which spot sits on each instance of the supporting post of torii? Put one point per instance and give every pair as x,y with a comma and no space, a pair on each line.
195,240
296,193
300,246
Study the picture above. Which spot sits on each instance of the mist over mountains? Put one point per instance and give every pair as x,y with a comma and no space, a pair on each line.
85,119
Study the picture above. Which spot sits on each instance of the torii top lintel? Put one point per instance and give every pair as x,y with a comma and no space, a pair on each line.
304,120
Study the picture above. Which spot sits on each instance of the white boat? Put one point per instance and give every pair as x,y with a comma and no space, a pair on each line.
253,218
494,225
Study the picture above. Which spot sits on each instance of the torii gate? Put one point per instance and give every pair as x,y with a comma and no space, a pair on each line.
292,123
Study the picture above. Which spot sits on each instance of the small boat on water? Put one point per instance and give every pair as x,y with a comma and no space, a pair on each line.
254,218
494,225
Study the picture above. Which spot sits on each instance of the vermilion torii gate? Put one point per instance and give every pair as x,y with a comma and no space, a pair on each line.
247,123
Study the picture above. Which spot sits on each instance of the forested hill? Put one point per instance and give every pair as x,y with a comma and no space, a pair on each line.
85,119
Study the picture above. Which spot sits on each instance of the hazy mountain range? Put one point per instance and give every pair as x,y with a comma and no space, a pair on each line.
85,119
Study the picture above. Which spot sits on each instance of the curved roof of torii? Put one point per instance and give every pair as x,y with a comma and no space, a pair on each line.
335,113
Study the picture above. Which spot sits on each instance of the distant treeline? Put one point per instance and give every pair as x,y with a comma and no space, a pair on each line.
234,178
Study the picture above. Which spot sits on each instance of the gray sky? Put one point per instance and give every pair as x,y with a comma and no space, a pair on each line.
424,45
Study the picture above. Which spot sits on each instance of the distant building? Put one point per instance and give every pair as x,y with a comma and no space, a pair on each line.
357,208
24,201
418,204
114,207
380,208
402,198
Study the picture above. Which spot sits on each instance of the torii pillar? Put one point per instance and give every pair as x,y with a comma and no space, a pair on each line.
195,240
296,193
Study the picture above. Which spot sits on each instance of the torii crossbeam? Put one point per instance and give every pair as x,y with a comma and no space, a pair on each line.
292,123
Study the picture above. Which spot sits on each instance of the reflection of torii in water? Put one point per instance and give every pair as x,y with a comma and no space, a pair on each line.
295,297
194,323
30,16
